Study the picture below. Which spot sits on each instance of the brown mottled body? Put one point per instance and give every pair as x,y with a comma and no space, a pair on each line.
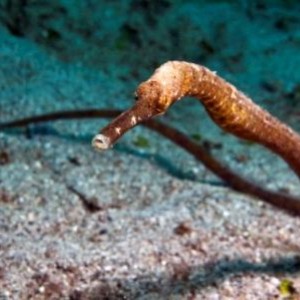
229,108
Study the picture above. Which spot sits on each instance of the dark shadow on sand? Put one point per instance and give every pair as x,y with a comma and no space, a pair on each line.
179,284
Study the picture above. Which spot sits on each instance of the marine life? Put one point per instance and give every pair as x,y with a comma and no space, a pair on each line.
229,108
232,110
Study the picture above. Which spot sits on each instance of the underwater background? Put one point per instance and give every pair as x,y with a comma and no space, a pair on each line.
144,220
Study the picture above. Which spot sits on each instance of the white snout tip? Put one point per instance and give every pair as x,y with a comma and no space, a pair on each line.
101,142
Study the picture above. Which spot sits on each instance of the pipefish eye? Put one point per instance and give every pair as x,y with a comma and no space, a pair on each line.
136,97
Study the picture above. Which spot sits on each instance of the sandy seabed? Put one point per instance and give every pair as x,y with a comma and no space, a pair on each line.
130,223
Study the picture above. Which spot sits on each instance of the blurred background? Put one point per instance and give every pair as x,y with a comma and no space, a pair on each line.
129,39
